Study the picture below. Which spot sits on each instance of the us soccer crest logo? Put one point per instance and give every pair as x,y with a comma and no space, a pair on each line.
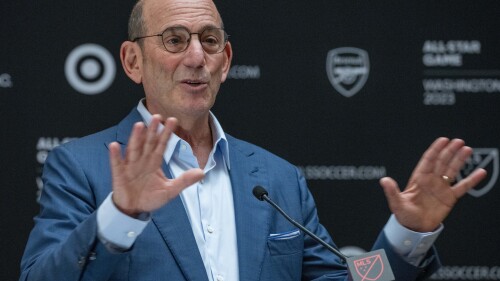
347,69
486,158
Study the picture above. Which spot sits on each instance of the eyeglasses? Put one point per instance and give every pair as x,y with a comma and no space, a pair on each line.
176,39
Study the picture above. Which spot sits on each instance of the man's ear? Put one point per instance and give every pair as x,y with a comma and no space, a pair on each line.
131,58
228,56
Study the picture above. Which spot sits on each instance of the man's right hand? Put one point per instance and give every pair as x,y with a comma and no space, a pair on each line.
139,184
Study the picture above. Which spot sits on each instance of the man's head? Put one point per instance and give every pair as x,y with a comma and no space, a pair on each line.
176,83
136,24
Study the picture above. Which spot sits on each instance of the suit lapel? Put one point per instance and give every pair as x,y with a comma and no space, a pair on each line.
173,224
171,220
252,216
125,127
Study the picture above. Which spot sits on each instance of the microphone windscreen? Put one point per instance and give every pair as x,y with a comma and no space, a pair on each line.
259,192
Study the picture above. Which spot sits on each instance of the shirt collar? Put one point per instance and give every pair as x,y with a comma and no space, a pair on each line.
220,140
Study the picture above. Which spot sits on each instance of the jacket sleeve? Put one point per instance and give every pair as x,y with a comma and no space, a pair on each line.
63,244
320,264
402,269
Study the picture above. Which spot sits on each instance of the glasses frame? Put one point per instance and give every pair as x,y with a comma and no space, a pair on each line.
226,38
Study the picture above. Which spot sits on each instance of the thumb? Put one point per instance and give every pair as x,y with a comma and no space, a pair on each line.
189,177
186,179
391,191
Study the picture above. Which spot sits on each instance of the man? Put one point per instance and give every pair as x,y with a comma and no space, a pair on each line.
111,209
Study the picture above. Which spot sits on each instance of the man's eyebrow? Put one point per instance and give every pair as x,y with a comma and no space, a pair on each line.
210,26
207,26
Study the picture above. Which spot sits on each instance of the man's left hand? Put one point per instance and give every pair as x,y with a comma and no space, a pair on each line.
431,192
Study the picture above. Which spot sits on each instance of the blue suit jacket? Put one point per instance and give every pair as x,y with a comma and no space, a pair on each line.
64,245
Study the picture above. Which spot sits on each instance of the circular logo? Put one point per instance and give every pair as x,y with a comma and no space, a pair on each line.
5,80
90,69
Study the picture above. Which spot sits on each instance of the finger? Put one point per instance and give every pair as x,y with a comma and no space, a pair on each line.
186,179
135,143
115,160
458,161
171,123
169,127
115,156
446,156
469,182
152,135
428,161
391,191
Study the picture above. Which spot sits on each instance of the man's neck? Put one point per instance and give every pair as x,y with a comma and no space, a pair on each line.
199,136
195,130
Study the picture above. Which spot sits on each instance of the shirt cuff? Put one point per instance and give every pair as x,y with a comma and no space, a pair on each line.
116,229
411,245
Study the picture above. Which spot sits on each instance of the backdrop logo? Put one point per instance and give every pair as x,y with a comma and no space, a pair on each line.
5,81
369,268
90,69
43,146
440,53
467,272
341,172
244,72
347,69
486,158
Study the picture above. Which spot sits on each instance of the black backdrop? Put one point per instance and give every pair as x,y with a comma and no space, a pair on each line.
349,91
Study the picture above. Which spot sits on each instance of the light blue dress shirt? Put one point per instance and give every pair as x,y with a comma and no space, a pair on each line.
210,209
208,204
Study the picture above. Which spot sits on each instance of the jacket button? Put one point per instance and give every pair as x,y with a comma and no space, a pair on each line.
82,261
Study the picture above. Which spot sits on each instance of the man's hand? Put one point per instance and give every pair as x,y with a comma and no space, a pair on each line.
139,184
429,196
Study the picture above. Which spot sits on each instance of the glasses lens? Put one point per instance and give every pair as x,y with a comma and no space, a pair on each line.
175,39
213,40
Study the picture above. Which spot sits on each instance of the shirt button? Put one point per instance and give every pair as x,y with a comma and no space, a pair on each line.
407,243
131,234
183,147
220,278
210,229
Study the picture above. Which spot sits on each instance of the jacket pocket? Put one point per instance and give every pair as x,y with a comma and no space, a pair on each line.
285,243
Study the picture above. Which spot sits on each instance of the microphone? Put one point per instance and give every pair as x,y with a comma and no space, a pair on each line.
369,266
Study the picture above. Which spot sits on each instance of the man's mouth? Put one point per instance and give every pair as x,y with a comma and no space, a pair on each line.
193,82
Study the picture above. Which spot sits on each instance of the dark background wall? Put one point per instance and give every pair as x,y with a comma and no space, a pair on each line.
410,71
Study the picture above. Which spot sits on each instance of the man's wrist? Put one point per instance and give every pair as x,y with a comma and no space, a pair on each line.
411,245
116,229
131,213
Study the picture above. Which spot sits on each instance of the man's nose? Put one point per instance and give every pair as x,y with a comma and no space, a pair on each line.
195,55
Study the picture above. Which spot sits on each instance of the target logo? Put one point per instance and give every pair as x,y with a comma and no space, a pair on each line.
90,69
5,81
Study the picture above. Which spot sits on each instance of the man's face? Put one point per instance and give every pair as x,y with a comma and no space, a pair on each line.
181,84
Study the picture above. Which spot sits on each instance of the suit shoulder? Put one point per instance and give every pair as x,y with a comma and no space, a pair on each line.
249,148
89,154
118,132
101,138
92,150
